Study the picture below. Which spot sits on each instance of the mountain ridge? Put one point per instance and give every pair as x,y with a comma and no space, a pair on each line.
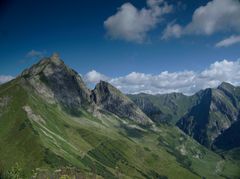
51,71
205,117
52,79
98,132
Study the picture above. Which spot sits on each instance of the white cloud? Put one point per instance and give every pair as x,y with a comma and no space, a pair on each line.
164,82
229,41
94,77
131,24
5,78
172,30
220,71
216,16
187,82
35,53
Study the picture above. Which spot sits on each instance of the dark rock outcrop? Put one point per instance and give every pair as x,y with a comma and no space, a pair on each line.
215,111
229,139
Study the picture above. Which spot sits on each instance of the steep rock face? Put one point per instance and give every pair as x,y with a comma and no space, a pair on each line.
111,99
229,139
195,121
215,111
52,79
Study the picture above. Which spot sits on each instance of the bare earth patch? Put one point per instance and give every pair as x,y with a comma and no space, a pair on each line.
32,116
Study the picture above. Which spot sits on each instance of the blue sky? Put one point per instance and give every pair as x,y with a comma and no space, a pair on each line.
117,38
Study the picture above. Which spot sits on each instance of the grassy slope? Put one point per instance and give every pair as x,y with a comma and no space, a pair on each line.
16,131
106,144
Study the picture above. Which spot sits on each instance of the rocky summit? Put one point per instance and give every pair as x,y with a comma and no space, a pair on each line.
52,79
111,99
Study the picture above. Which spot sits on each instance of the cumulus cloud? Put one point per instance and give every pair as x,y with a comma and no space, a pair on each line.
165,82
94,77
229,41
132,24
5,78
215,16
187,82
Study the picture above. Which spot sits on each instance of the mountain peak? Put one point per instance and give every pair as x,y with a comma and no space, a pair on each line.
56,82
47,64
103,84
55,58
225,85
108,88
111,99
104,90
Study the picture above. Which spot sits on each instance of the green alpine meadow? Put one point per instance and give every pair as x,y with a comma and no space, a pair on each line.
53,126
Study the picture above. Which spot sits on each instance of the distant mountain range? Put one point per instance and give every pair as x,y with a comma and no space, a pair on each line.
51,122
210,116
